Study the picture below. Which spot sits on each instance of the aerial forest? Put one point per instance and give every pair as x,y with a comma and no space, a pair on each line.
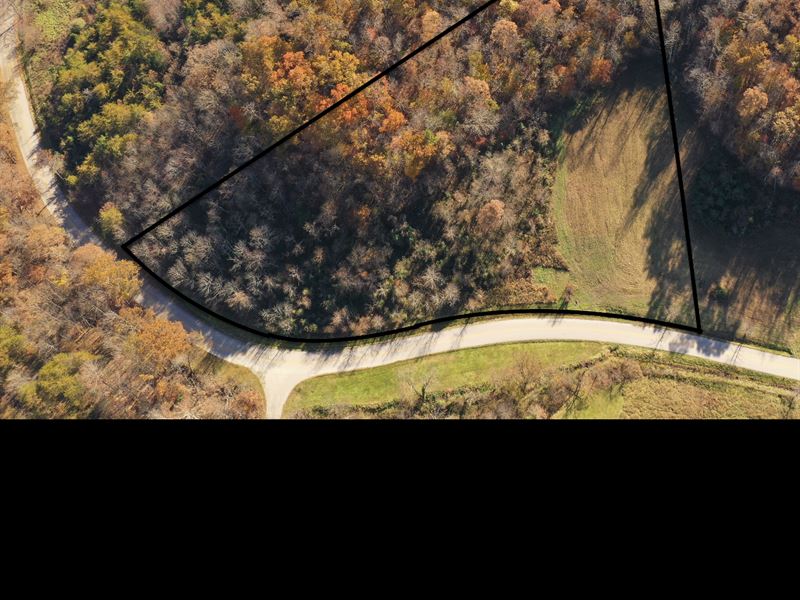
428,194
73,341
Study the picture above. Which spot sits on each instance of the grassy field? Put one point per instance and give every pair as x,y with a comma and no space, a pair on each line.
665,385
465,368
701,397
673,389
616,176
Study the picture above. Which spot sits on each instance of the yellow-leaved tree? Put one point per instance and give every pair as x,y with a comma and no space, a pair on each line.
101,275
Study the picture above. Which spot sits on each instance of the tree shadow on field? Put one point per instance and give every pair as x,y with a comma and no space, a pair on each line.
748,284
660,161
667,246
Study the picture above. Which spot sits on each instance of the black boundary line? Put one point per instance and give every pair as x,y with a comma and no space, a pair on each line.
310,122
555,312
679,169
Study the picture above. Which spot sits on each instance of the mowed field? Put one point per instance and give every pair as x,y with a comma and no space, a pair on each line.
617,207
619,221
666,385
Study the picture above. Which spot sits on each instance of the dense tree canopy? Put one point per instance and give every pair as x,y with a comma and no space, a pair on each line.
109,79
72,341
426,194
744,66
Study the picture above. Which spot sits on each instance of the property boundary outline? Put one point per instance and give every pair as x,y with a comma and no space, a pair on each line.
446,319
678,167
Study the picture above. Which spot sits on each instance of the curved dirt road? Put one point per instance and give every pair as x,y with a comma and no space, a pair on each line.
281,369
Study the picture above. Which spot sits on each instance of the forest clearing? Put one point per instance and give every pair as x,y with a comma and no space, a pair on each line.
617,205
